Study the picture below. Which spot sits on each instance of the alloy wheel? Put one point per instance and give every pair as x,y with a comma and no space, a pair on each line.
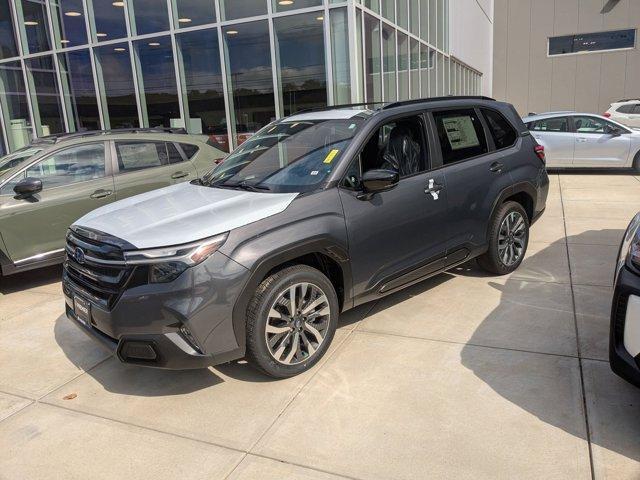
512,239
298,323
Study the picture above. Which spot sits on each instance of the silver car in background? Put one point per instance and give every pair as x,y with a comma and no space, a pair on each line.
585,140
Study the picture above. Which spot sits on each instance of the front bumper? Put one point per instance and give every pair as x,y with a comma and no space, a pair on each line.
146,324
624,337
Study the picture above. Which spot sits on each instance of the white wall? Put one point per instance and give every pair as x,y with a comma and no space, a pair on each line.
471,24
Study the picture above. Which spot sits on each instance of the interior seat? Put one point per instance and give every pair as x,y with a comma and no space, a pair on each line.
402,153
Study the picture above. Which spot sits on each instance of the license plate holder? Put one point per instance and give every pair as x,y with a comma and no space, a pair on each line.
82,309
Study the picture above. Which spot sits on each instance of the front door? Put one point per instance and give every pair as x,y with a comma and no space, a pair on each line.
396,236
75,181
595,148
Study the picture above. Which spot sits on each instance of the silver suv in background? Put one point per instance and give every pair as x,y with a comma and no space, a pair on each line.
626,112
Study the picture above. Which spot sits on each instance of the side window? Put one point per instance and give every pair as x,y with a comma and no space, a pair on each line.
636,109
628,108
559,124
173,154
7,188
189,150
589,124
501,130
461,135
399,145
72,165
134,156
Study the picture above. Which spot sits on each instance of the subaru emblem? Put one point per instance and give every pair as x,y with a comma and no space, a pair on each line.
79,255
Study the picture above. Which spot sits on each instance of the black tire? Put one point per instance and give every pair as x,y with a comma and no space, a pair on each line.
492,261
636,164
273,289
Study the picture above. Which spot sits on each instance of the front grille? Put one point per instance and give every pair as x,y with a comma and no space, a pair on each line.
100,272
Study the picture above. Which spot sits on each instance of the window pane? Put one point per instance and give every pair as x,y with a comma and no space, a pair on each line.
251,81
140,155
424,70
151,16
340,56
3,150
286,5
440,69
591,42
403,66
432,4
173,154
13,98
501,130
433,78
232,9
551,125
36,25
69,23
109,19
189,150
47,95
73,165
403,14
80,90
373,59
8,47
441,27
117,79
461,135
389,64
414,15
158,82
300,44
203,85
372,4
589,125
415,69
195,12
424,20
388,9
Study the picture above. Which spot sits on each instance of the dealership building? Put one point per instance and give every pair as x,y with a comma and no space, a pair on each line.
225,68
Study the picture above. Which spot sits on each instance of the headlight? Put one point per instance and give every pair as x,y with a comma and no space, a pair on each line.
166,264
630,248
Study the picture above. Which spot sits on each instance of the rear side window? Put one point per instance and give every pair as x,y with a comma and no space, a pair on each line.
173,154
461,135
629,108
501,130
134,156
189,150
560,124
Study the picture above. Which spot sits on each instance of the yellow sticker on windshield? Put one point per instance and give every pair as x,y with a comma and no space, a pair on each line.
331,155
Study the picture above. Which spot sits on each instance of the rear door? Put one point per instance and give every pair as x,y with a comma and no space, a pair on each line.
555,135
142,165
594,147
75,181
475,170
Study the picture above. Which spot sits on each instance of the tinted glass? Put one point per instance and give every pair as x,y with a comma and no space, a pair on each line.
69,23
173,154
285,6
73,165
195,12
389,61
13,97
388,9
15,159
461,135
591,42
134,156
300,42
560,124
414,15
115,65
47,95
403,66
203,84
76,71
626,108
636,110
109,20
36,25
403,14
151,16
415,68
287,156
590,125
340,56
373,59
232,9
189,150
501,130
8,47
155,57
249,59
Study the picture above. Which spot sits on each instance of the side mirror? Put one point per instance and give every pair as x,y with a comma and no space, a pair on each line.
375,181
27,187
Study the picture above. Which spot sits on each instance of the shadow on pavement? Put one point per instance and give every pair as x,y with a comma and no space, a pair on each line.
30,279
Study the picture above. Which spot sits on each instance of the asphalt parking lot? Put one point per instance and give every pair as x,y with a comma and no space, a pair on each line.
462,376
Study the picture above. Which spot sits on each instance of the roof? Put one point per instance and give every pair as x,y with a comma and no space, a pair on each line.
334,114
540,116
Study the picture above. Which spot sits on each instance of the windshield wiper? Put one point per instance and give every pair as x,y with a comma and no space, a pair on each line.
244,185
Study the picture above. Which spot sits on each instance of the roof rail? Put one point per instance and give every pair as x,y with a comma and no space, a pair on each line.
56,138
335,107
436,99
629,100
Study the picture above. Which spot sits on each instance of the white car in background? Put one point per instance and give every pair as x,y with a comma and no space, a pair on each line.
583,140
626,112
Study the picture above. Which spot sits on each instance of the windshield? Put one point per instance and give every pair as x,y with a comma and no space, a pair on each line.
15,159
286,156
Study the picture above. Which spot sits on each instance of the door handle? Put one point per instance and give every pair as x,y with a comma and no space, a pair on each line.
581,140
434,189
101,193
180,174
496,167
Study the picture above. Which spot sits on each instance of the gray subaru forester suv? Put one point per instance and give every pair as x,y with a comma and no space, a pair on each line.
313,215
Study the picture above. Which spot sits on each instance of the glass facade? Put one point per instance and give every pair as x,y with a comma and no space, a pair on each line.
221,68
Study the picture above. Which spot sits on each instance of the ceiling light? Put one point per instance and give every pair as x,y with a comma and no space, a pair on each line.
232,32
31,23
154,44
118,4
73,14
320,18
100,35
184,20
120,49
285,2
65,41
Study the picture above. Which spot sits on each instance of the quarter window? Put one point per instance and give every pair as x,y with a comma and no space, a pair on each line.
461,135
134,156
189,150
501,130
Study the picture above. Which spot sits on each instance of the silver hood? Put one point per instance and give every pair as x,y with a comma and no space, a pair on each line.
183,213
